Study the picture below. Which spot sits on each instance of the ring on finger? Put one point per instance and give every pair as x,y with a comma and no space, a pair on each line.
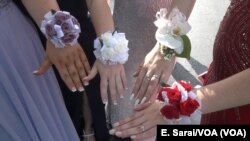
155,76
148,77
142,128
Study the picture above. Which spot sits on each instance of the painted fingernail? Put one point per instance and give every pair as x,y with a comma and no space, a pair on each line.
116,124
121,96
105,102
137,102
143,100
36,71
126,88
118,133
115,102
86,83
81,89
112,131
132,97
133,137
74,89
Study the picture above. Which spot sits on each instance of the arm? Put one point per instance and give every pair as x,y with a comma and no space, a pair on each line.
154,68
112,76
228,93
71,62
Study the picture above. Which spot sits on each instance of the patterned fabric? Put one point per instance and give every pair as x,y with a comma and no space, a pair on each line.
231,56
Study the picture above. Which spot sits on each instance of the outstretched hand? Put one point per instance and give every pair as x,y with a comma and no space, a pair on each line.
71,62
150,73
142,124
113,78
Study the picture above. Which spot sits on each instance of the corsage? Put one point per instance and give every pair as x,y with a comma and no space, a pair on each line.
111,48
181,105
61,28
171,34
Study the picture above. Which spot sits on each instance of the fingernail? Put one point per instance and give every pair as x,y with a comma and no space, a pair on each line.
133,137
112,132
105,102
86,83
81,89
73,89
126,88
116,124
143,100
36,71
115,102
132,97
121,96
137,102
118,133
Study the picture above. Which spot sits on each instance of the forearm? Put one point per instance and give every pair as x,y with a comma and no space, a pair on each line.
185,6
101,16
38,8
231,92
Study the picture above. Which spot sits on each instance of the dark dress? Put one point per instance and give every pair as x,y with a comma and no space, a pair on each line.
73,101
231,56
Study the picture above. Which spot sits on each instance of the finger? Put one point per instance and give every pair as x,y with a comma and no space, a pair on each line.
119,86
136,73
104,88
85,63
141,94
135,122
165,76
142,106
124,79
151,133
66,77
91,74
46,64
126,120
112,89
153,83
80,69
138,82
75,77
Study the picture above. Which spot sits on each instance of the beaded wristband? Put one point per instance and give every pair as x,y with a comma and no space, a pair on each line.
181,105
61,28
171,34
111,48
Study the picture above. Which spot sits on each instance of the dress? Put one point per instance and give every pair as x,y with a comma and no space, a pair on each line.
32,107
231,56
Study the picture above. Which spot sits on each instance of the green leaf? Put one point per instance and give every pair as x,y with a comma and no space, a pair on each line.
187,47
162,84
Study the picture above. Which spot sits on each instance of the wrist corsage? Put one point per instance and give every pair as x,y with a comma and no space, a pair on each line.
171,34
181,105
61,28
111,48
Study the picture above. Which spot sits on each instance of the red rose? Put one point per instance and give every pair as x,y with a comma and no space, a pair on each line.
189,106
174,95
160,97
170,112
187,86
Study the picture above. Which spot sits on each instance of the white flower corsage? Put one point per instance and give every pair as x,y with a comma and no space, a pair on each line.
61,28
181,105
171,33
111,48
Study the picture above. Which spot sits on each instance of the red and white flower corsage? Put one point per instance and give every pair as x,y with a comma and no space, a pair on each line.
181,105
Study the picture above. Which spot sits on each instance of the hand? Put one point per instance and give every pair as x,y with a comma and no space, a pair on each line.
142,124
112,77
71,62
151,72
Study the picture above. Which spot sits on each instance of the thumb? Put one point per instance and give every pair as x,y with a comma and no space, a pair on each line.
91,74
46,64
142,106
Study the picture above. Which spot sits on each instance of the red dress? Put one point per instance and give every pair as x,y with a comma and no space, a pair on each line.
231,55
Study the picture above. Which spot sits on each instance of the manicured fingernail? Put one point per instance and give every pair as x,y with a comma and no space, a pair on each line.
74,89
143,100
86,83
118,133
121,96
112,132
105,102
116,124
137,102
126,88
132,97
115,102
35,72
133,137
81,89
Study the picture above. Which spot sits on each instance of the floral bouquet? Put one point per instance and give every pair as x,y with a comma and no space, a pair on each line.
171,34
181,105
61,28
